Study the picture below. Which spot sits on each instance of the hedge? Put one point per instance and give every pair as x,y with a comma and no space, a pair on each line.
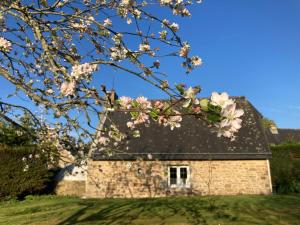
23,170
285,168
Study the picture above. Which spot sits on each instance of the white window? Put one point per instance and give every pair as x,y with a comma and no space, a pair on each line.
179,176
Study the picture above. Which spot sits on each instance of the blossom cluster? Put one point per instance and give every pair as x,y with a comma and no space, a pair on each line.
144,47
118,53
192,61
114,136
5,45
142,110
228,117
83,70
83,24
68,88
178,6
231,121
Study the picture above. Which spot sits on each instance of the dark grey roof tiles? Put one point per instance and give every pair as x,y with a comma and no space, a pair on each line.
194,140
289,135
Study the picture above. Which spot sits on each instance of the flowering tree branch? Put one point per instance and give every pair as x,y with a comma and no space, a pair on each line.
42,55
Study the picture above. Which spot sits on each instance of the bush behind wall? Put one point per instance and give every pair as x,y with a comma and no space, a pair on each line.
285,168
23,171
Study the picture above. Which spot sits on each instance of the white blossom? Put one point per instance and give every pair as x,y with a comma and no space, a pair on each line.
79,26
221,99
165,2
231,122
68,88
163,34
5,45
149,156
107,22
137,13
83,70
183,52
130,125
174,27
129,21
50,91
196,61
118,54
231,112
26,168
125,2
144,47
173,121
189,93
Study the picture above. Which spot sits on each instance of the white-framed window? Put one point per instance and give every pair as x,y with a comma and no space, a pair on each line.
179,176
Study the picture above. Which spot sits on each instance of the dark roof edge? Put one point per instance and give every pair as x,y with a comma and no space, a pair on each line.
183,156
293,129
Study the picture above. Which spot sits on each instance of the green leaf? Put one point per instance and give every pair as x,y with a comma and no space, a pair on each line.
204,104
180,89
213,117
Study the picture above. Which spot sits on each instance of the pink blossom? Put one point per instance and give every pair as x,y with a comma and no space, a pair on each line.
104,140
141,118
125,102
158,104
143,102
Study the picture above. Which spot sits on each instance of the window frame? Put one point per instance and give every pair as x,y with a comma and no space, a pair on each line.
178,177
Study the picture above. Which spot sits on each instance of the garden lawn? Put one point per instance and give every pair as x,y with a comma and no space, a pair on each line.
233,210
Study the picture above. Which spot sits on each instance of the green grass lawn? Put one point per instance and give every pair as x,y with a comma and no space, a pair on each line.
233,210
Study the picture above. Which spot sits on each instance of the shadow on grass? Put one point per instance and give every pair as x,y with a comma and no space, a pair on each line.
162,211
112,212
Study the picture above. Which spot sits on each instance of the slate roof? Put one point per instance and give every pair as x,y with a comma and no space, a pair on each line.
284,135
194,140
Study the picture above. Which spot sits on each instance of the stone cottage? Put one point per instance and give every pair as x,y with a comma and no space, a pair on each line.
190,160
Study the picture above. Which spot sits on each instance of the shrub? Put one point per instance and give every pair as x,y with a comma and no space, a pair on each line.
23,170
285,168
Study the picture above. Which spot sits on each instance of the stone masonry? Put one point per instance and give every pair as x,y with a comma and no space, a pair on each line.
70,188
138,179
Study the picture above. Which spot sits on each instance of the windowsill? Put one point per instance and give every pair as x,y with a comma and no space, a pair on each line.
179,187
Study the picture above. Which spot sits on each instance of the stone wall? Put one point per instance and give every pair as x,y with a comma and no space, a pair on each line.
70,188
71,181
136,179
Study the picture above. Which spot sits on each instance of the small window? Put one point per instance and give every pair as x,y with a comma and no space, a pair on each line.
179,176
173,175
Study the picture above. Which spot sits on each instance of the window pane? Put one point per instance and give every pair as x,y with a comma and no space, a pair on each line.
183,175
173,175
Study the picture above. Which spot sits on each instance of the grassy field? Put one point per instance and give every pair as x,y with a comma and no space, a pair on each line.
233,210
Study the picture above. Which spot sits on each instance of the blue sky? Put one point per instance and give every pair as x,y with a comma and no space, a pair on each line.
250,48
